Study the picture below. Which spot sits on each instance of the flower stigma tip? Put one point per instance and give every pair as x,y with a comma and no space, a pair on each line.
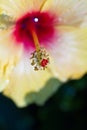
40,59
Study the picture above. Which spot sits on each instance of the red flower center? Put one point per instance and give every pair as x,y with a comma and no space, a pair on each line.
42,23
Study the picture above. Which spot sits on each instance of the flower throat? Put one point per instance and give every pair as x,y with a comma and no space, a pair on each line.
34,30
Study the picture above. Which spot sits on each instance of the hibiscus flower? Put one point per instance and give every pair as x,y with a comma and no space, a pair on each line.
41,41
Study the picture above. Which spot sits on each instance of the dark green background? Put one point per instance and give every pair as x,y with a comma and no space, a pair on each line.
65,110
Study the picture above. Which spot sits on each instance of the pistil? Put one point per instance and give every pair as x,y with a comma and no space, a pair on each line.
39,58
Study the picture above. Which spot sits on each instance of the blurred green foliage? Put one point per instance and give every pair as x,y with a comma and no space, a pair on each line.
65,110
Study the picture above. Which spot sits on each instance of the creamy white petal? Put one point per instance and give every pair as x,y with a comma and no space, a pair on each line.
69,53
16,8
9,56
25,80
71,12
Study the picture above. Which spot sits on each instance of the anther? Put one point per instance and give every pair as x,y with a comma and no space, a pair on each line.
40,59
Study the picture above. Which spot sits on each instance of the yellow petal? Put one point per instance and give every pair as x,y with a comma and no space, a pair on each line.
71,12
3,83
8,57
70,55
24,81
16,8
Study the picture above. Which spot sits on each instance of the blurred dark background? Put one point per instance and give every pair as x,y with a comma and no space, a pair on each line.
65,110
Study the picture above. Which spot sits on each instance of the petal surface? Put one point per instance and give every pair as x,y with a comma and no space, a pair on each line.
16,8
69,53
8,57
71,12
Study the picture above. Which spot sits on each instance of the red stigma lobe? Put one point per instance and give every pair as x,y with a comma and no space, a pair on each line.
44,62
